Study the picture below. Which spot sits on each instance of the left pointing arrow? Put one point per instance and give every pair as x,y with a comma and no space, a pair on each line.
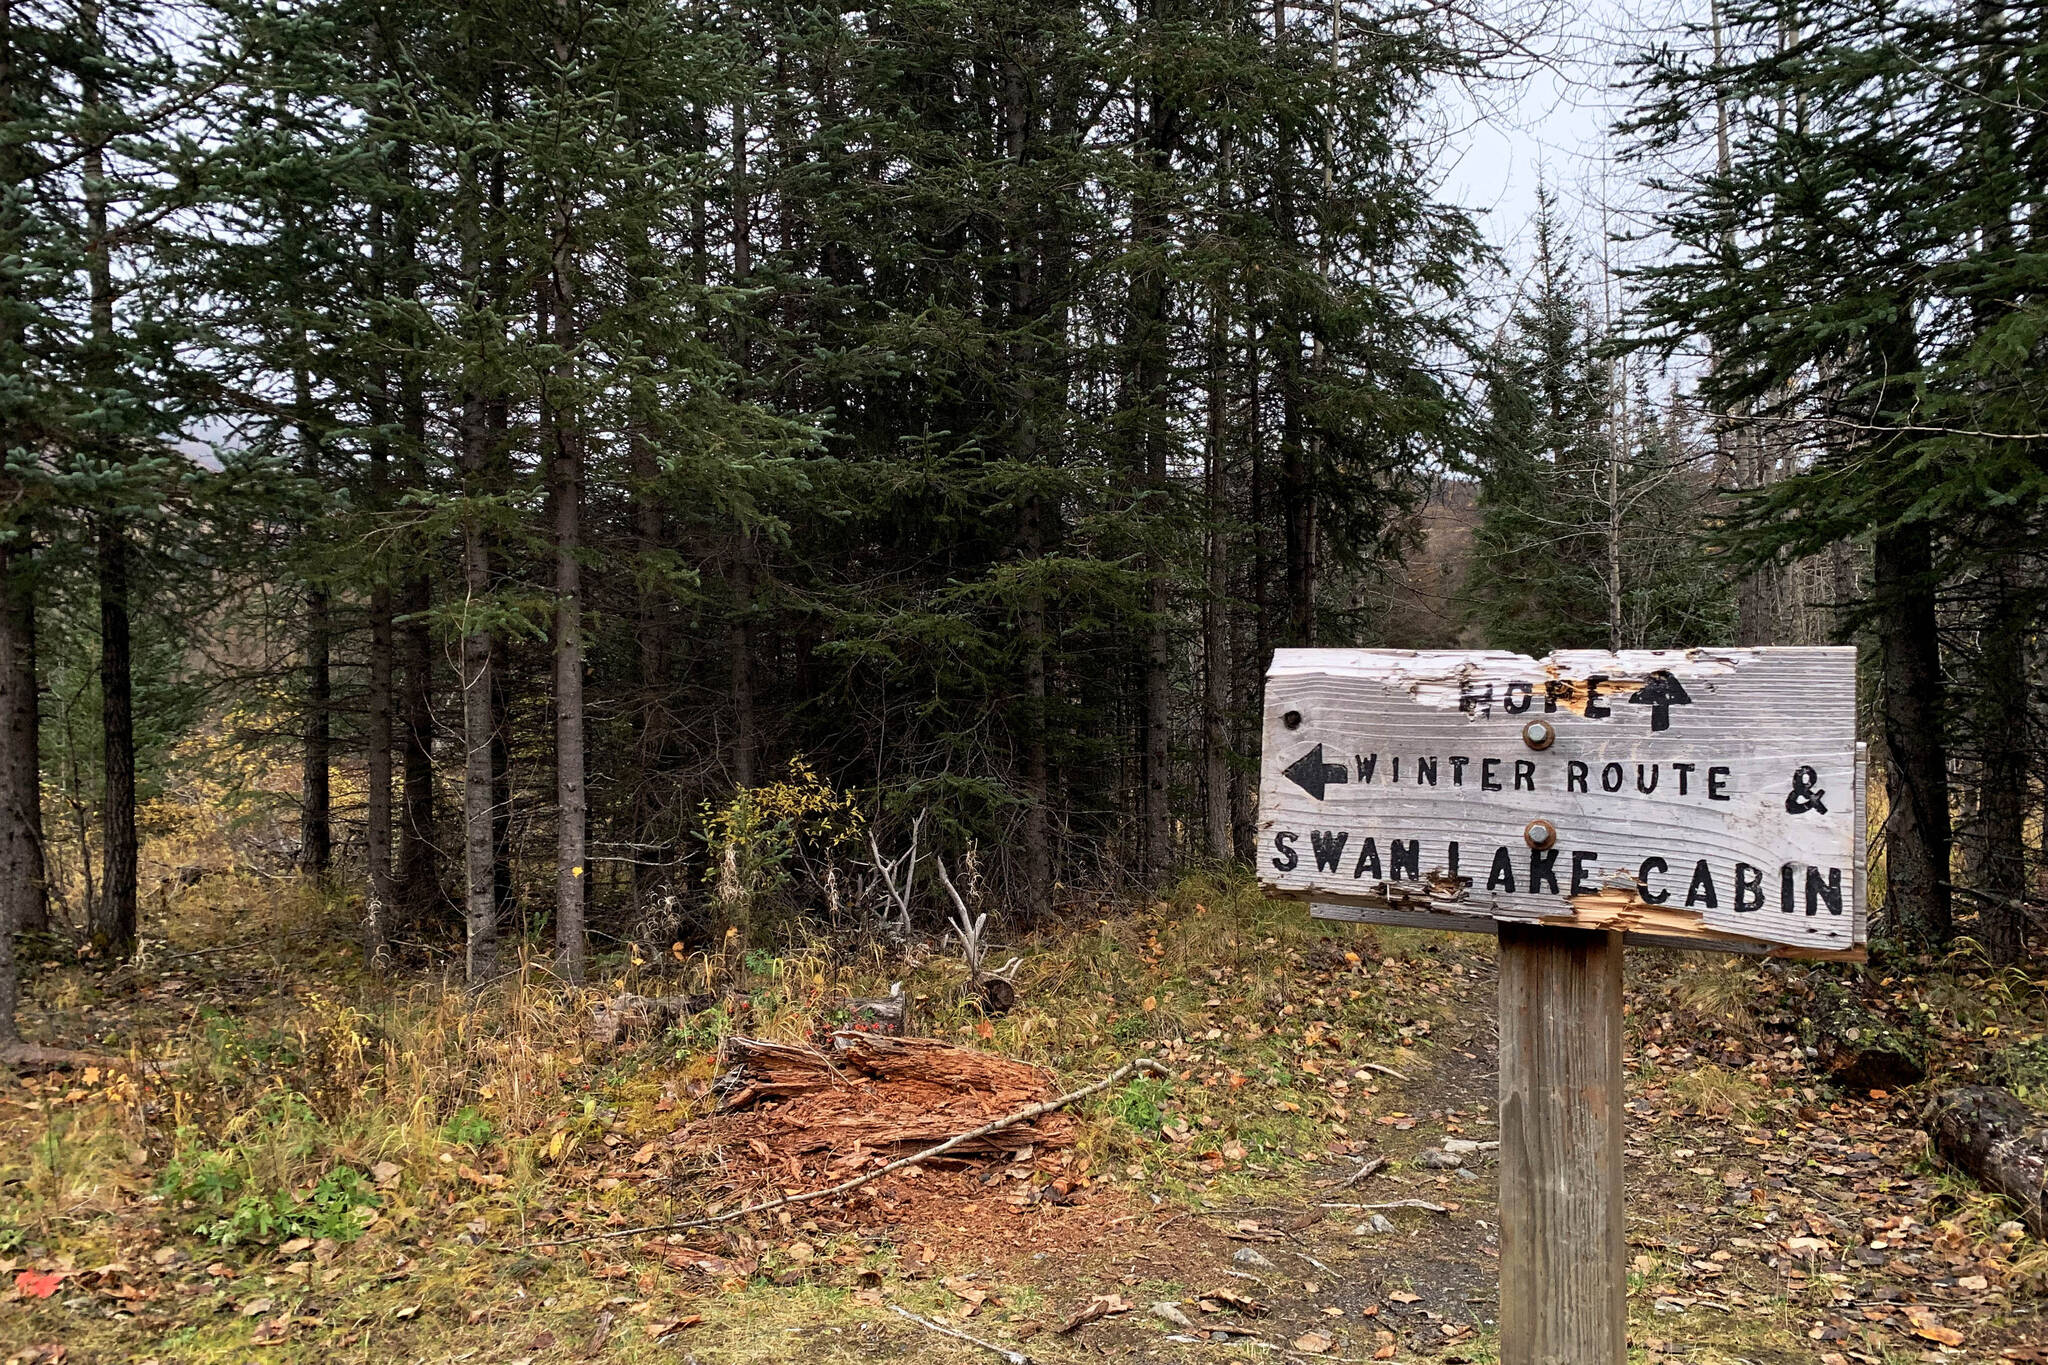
1311,774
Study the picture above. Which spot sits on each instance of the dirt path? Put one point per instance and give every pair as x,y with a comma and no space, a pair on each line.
1821,1241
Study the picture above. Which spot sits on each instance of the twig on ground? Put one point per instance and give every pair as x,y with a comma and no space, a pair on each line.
1317,1264
1422,1204
1024,1115
216,948
1365,1168
37,1055
1013,1357
1383,1070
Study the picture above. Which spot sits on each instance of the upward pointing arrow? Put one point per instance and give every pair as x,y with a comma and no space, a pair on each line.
1310,773
1660,693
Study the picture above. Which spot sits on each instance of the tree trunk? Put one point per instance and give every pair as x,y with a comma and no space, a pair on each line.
22,883
1916,766
1024,318
479,710
27,889
377,912
1216,592
20,878
1297,502
572,806
10,978
1031,626
1150,377
112,919
316,827
653,636
740,649
1254,639
739,630
502,889
21,793
1158,729
378,905
316,806
2003,729
418,888
419,858
383,888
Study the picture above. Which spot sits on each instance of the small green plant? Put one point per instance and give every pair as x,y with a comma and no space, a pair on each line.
701,1033
339,1207
12,1238
468,1128
206,1179
1138,1105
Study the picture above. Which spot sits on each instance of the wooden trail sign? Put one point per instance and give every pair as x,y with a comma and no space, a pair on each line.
1676,798
1689,798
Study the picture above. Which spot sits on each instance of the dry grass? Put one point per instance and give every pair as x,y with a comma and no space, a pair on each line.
485,1119
1719,1092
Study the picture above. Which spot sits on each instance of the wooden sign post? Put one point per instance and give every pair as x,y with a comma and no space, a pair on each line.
1672,798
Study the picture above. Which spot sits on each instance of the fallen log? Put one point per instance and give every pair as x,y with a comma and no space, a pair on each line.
37,1057
1860,1049
1999,1141
625,1016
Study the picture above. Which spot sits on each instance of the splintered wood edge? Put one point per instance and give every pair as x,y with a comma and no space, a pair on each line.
1640,923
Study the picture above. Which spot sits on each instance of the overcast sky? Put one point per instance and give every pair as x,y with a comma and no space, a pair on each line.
1547,121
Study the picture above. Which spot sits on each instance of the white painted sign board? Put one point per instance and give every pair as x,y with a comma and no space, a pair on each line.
1702,798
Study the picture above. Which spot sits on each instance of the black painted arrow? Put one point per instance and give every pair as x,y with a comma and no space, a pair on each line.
1660,693
1311,774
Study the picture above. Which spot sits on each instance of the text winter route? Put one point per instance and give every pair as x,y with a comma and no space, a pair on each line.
1702,798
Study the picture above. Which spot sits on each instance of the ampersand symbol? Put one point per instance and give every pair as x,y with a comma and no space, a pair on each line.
1804,795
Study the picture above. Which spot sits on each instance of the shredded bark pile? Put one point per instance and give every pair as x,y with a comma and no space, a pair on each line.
873,1095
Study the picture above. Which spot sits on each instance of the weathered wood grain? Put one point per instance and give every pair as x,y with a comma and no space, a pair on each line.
1562,1278
1737,786
2000,1142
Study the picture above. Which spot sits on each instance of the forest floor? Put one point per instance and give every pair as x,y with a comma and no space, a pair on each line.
317,1166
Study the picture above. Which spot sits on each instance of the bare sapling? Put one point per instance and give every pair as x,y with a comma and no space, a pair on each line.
997,988
898,876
